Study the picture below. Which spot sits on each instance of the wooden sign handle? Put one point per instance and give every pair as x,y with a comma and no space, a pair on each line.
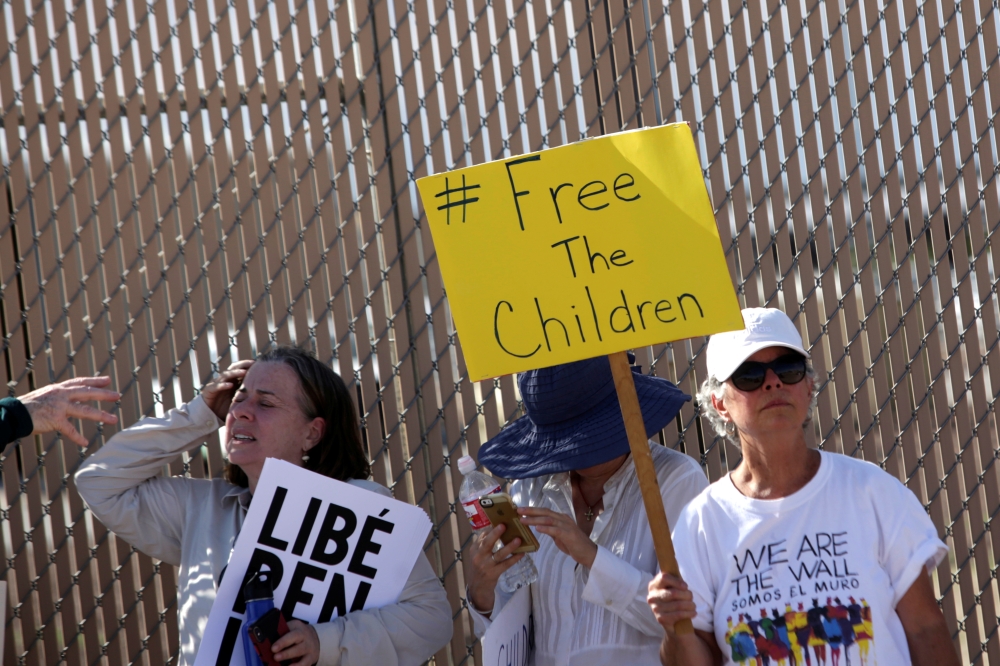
648,484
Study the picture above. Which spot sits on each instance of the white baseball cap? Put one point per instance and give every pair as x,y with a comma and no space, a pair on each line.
765,327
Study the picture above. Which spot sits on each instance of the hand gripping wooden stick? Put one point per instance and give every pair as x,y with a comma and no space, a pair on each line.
650,487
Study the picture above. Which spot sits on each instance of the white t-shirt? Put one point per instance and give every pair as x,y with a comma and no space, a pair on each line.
820,570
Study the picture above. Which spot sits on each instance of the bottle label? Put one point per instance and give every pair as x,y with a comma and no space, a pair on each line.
477,517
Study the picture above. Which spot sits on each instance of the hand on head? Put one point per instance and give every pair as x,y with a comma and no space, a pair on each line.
218,393
671,600
52,407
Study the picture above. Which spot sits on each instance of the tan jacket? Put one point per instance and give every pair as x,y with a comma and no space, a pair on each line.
193,523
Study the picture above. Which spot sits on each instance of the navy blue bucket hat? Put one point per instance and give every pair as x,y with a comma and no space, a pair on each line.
573,419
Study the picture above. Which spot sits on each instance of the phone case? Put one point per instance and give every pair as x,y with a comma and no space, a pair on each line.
264,632
500,508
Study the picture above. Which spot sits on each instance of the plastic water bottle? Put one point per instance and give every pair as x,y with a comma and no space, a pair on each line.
476,485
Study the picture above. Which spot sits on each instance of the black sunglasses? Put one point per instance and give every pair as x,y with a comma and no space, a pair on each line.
790,369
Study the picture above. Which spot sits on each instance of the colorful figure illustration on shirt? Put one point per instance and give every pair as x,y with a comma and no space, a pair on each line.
794,637
817,639
759,641
834,632
781,636
799,624
839,612
861,619
798,635
769,644
741,642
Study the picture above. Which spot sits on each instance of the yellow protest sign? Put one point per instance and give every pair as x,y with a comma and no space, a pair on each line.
579,251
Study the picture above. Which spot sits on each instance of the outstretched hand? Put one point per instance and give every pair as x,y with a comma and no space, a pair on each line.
51,407
218,393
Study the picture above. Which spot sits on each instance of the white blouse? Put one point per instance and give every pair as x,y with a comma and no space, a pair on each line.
600,616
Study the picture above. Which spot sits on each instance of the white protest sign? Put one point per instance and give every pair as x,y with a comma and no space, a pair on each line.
506,641
331,548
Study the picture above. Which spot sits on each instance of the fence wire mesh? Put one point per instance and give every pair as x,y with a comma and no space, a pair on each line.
188,183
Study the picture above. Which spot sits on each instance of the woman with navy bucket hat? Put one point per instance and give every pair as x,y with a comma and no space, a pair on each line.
576,487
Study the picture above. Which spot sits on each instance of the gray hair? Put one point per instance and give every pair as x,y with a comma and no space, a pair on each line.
727,429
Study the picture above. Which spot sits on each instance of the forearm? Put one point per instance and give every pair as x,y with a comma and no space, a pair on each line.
926,631
688,650
933,646
140,451
482,599
123,486
483,616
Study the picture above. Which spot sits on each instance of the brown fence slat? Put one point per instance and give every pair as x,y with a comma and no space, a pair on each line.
187,183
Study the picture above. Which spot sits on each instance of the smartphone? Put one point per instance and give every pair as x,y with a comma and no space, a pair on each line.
500,508
263,634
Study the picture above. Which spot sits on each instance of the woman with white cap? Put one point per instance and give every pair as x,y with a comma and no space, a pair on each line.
577,485
767,552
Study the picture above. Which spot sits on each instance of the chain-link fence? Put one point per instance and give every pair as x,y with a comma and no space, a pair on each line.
187,183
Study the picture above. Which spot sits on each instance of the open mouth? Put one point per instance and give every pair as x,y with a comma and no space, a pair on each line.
244,438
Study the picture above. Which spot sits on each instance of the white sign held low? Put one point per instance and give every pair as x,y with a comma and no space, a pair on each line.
331,548
506,641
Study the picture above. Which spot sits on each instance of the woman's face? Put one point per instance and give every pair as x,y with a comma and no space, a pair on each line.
770,409
266,420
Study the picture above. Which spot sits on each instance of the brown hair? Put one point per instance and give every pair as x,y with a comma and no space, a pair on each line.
339,454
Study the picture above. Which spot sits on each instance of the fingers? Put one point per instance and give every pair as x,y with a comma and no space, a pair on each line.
538,512
300,641
78,411
219,393
69,432
235,371
86,381
503,565
217,387
667,581
669,593
491,563
86,394
506,551
289,639
668,619
488,541
494,564
671,600
548,518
